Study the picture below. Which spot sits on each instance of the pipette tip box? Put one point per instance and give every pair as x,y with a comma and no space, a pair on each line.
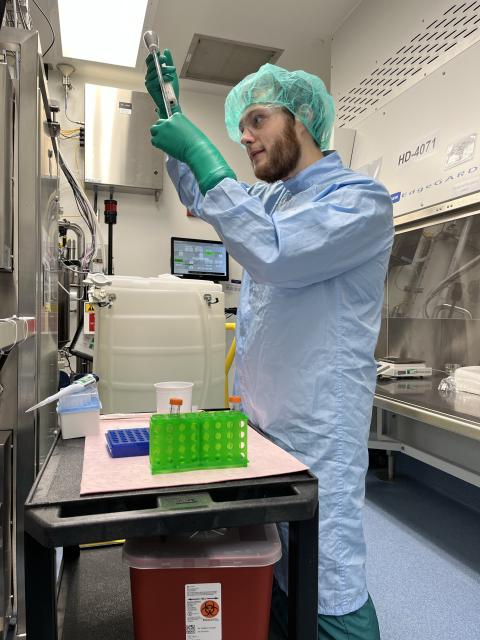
79,413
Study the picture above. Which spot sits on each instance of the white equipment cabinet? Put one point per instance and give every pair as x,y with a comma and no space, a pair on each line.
157,330
404,79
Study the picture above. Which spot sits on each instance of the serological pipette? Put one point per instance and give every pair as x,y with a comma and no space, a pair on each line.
150,39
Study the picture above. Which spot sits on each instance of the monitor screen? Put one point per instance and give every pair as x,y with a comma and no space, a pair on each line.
200,259
82,345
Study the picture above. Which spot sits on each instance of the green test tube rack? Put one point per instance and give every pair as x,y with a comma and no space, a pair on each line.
203,440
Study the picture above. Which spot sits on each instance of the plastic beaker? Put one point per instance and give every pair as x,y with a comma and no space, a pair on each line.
167,390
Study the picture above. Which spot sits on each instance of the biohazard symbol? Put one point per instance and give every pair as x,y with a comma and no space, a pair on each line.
209,609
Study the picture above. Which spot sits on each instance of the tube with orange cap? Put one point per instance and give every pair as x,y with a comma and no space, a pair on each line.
234,403
175,406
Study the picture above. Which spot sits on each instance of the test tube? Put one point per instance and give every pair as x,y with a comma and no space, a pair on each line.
234,402
175,406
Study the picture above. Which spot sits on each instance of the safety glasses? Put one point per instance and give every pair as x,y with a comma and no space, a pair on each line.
257,118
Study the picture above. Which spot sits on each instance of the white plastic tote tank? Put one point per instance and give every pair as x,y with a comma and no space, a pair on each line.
158,330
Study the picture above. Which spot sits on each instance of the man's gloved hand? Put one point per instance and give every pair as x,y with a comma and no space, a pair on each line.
181,139
169,74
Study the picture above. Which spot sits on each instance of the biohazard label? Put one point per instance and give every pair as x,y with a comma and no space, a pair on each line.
203,611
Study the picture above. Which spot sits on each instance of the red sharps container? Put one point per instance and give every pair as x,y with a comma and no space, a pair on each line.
206,585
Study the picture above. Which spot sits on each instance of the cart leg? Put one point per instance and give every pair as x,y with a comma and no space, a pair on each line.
40,591
303,579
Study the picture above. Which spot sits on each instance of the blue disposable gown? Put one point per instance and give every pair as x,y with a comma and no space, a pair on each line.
315,250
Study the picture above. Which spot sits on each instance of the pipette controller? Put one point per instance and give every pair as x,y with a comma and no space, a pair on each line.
150,39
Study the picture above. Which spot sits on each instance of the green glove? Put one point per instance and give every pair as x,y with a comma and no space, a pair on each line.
182,140
169,74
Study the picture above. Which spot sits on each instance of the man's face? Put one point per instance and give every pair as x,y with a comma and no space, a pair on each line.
269,136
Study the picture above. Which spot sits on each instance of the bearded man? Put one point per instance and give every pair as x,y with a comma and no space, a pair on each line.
314,240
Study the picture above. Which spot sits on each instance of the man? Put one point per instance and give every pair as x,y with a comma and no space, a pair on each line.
314,240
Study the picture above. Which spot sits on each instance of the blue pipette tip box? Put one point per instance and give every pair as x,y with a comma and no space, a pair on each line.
124,443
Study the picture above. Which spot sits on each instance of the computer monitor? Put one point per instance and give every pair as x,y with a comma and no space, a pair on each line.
199,259
82,345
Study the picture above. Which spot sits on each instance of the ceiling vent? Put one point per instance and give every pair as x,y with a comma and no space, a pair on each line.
451,32
223,61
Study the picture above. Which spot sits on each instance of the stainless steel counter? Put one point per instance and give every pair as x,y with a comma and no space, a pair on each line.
421,400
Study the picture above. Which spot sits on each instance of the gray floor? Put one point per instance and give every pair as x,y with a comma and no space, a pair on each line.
97,597
423,570
423,562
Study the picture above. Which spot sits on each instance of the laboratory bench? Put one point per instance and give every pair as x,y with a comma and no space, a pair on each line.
56,515
442,430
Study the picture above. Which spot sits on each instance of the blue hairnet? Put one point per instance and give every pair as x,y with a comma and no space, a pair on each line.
302,93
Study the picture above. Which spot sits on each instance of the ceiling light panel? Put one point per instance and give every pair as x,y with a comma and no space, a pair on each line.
107,31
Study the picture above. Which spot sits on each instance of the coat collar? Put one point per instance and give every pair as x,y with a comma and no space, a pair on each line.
318,173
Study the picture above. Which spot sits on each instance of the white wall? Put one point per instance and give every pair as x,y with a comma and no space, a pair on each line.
144,227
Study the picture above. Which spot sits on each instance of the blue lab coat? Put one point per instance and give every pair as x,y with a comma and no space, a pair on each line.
315,250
